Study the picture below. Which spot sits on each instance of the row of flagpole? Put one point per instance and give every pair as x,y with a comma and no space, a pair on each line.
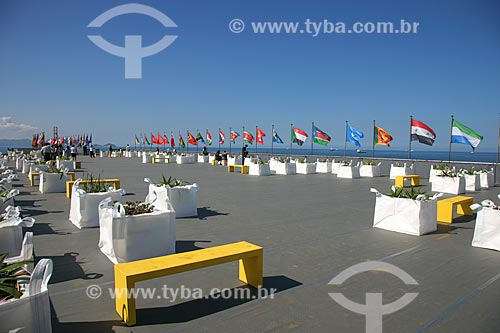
418,131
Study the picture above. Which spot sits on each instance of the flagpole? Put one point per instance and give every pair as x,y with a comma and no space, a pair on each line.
409,142
498,148
229,140
345,140
256,143
291,130
312,139
373,140
451,134
272,141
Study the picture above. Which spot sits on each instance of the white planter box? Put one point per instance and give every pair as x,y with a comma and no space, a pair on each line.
124,238
412,217
11,231
234,160
188,159
26,166
250,160
348,172
31,312
323,167
336,167
369,170
182,198
486,179
273,164
259,170
472,182
101,154
400,171
453,185
65,165
202,159
211,158
305,168
19,163
84,209
285,168
487,229
146,158
52,182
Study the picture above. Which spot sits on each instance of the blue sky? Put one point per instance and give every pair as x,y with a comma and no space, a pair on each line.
52,75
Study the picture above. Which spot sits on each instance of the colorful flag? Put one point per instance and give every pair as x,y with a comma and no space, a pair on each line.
192,139
165,139
320,137
90,139
464,135
260,136
298,136
182,144
160,140
222,136
172,142
382,137
421,132
276,137
209,138
233,135
137,142
353,135
154,140
199,137
247,137
41,140
146,139
34,142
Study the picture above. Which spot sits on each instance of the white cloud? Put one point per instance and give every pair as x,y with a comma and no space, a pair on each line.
11,130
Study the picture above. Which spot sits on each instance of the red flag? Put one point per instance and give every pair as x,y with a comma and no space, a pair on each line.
34,142
154,139
172,142
222,136
192,139
260,136
42,140
160,140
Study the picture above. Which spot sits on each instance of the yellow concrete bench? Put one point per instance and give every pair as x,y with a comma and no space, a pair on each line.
244,168
156,159
69,184
37,174
445,207
400,180
128,274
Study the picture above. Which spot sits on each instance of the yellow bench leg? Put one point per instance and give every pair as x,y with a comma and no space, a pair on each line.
400,182
125,305
464,208
251,271
445,212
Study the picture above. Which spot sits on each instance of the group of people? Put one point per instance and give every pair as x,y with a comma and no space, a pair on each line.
222,158
51,152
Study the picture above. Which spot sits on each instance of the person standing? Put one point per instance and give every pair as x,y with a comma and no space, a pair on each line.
110,150
46,151
244,154
74,152
91,151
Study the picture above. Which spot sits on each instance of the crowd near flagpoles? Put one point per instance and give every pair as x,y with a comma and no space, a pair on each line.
451,135
409,142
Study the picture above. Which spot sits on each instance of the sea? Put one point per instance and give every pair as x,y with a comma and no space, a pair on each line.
437,155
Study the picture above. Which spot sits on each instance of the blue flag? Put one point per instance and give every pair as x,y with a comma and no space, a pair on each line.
354,135
276,137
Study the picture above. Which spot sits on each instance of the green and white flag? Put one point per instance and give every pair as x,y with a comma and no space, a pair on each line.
464,135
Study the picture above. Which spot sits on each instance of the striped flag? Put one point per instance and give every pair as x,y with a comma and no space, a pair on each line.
320,137
233,135
209,138
247,137
421,132
464,135
222,136
298,136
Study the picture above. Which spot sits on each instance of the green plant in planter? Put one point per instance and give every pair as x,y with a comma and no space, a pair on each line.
137,208
94,185
398,164
11,275
345,163
282,160
471,171
448,173
53,169
399,192
262,162
369,162
301,160
322,160
172,182
442,166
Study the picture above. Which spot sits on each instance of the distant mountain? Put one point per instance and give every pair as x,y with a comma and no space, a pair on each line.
18,143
